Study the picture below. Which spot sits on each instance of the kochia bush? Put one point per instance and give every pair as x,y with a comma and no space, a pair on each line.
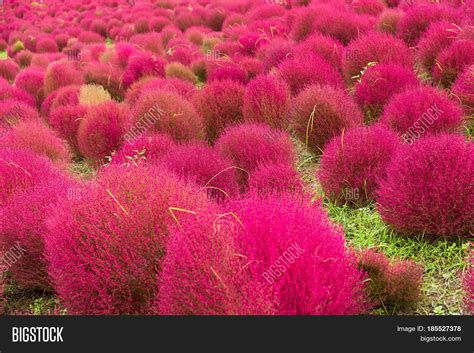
105,249
353,164
429,188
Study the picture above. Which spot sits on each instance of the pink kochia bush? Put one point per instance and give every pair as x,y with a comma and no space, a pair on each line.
148,147
106,248
35,136
393,283
60,74
203,165
22,170
353,164
282,256
22,223
219,104
463,89
266,100
429,188
452,61
378,84
13,111
249,145
275,177
166,112
421,111
32,81
142,64
374,47
101,131
65,120
321,112
299,73
8,69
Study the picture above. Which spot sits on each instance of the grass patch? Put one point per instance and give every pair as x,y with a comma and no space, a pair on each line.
3,55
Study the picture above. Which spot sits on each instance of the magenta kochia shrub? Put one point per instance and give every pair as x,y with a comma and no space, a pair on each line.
374,48
36,136
102,129
321,112
8,91
199,163
219,104
8,69
31,81
65,120
378,84
60,74
275,177
266,100
422,111
452,61
22,224
429,188
437,37
393,283
463,89
105,249
13,111
418,18
291,261
353,163
166,112
299,73
147,147
142,64
249,145
22,170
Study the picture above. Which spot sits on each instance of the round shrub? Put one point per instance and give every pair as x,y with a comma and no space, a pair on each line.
326,47
452,61
24,58
202,276
105,249
393,283
166,112
437,37
9,92
463,89
46,45
180,71
249,145
60,74
31,81
374,48
429,188
64,96
65,120
321,112
35,136
352,164
108,76
22,170
418,18
421,111
203,165
367,7
147,147
92,94
12,112
101,131
275,178
299,74
22,225
272,54
142,64
266,100
8,69
220,105
220,71
378,84
388,21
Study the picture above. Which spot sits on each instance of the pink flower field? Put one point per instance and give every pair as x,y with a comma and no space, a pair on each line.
244,157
